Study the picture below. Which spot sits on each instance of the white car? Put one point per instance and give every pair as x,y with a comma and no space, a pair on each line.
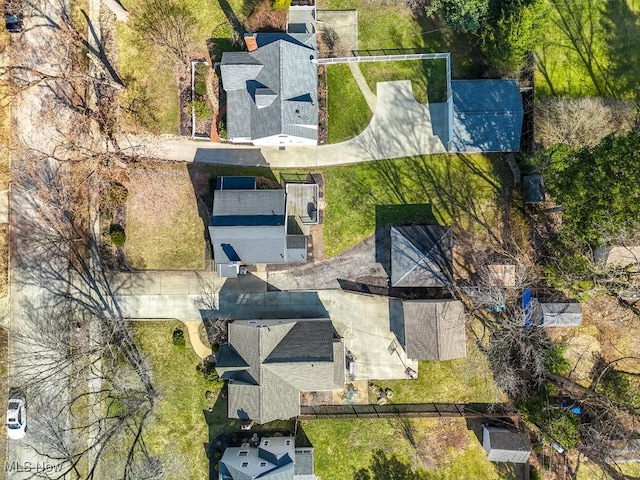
16,418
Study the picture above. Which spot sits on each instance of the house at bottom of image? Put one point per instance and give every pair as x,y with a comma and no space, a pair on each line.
268,363
268,458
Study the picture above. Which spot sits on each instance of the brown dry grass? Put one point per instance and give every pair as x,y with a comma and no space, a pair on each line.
163,228
265,19
607,329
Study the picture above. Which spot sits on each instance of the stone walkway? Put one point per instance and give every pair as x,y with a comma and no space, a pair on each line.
369,96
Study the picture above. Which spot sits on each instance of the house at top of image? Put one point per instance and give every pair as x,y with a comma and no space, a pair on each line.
272,89
267,458
268,363
250,226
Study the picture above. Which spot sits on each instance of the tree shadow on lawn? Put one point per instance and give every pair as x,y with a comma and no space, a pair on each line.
384,467
622,31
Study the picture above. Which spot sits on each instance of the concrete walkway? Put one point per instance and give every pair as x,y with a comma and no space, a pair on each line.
4,207
202,350
369,96
400,127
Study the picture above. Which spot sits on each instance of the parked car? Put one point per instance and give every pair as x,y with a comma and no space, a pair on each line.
13,16
16,418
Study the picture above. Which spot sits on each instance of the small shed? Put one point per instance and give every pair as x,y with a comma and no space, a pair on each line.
504,445
534,191
421,256
561,314
618,256
434,329
502,275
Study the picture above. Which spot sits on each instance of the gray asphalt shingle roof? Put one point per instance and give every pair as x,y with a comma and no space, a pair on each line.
285,357
487,116
248,226
434,329
276,458
503,445
272,90
421,255
561,314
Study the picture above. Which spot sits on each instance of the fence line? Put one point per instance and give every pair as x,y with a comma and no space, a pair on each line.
383,58
467,410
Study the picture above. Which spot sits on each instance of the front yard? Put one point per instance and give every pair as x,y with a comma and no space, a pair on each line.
163,228
180,429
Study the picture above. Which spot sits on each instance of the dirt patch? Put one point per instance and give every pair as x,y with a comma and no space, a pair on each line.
164,229
265,19
436,446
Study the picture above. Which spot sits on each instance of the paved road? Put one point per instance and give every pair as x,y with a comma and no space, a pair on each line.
400,127
34,126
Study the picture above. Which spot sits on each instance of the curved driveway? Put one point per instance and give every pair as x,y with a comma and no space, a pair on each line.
400,127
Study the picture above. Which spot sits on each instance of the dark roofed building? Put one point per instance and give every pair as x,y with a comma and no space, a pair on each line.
272,90
487,116
421,256
269,362
275,458
434,329
503,445
249,226
534,191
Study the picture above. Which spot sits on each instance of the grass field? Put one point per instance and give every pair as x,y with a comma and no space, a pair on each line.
349,113
443,446
150,77
163,228
428,77
462,190
179,428
591,47
462,380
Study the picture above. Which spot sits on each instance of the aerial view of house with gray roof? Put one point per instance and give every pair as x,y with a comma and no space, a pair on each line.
274,458
272,90
434,329
249,226
421,256
267,363
560,314
503,445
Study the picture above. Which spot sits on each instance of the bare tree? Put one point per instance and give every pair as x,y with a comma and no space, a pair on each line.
169,25
580,122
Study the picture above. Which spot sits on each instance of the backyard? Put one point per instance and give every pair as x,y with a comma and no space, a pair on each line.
591,48
442,448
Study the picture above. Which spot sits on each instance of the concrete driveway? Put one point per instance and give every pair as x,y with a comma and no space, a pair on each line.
364,322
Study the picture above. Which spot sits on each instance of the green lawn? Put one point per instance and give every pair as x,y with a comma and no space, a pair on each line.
591,47
179,430
349,113
462,380
428,77
461,189
150,77
444,446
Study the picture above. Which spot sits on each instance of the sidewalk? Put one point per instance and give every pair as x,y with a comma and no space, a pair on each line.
400,127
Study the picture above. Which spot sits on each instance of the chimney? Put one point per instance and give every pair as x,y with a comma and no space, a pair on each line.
250,41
